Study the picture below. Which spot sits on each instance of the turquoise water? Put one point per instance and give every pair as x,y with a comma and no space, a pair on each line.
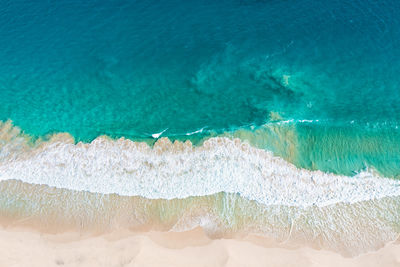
329,69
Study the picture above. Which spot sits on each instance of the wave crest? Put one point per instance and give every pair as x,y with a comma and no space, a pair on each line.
179,170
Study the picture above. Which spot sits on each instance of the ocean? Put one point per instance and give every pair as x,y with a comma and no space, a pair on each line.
236,116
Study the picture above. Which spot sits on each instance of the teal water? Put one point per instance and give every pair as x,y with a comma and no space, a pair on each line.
135,68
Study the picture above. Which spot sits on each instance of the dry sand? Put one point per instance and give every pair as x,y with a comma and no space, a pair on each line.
24,247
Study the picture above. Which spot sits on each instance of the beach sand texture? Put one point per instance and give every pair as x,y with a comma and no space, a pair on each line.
24,247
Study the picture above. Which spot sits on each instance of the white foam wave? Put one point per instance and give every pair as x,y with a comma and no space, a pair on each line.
296,121
195,132
179,170
157,135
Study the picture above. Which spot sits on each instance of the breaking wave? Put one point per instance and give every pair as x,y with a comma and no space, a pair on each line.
224,185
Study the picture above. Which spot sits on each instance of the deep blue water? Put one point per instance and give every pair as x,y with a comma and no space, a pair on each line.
134,68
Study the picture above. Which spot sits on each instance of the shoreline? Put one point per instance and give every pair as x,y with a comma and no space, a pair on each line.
29,247
349,229
103,187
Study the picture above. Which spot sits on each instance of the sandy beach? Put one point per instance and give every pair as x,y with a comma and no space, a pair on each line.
26,247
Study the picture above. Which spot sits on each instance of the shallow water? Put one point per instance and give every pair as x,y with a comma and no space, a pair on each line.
344,228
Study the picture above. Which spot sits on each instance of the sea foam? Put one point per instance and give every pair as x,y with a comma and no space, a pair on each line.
179,170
